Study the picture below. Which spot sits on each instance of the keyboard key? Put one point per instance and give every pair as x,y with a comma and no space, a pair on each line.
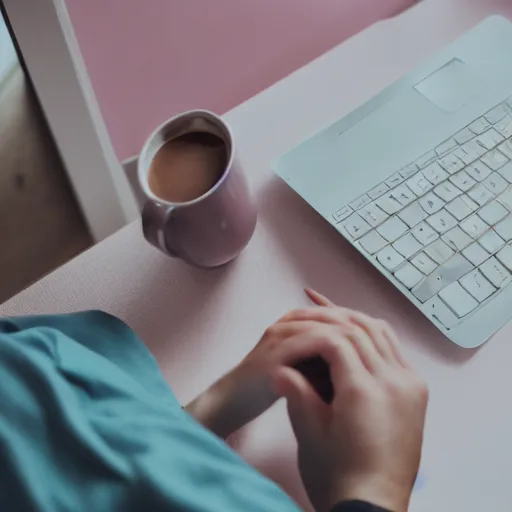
505,126
360,202
493,212
497,113
506,148
388,204
451,163
474,226
478,170
439,311
477,285
506,172
504,228
491,242
458,300
445,147
423,263
419,184
424,233
443,276
480,194
506,198
463,136
426,159
495,272
505,257
403,195
462,180
342,214
372,214
372,242
495,183
489,139
457,239
356,226
407,246
413,214
461,207
408,170
435,173
470,152
431,203
442,221
475,254
392,229
495,159
377,191
409,276
479,126
389,258
439,251
394,180
447,191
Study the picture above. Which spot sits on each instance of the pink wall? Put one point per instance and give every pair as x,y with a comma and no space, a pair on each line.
149,60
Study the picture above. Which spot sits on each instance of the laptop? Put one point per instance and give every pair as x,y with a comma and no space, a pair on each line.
419,181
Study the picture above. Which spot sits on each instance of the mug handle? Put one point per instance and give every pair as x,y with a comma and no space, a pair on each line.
155,222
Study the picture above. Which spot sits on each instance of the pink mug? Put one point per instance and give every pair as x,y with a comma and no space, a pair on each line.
212,229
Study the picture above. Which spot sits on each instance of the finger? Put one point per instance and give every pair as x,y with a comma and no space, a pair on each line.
365,347
318,298
384,337
342,318
285,330
309,340
330,315
344,360
373,331
304,405
376,331
395,346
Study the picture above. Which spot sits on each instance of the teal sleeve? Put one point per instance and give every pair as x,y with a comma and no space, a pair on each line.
88,423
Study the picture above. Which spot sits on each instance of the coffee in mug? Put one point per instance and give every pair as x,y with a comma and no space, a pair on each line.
187,167
199,207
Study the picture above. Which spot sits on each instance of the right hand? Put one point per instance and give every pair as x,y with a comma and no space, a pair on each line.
366,445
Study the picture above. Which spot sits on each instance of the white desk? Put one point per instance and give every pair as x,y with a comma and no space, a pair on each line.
200,323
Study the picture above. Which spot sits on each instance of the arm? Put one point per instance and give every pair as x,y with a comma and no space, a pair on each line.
348,448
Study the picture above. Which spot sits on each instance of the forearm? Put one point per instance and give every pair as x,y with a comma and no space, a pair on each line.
233,401
224,407
210,409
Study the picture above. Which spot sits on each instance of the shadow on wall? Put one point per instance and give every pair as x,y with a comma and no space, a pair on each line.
202,54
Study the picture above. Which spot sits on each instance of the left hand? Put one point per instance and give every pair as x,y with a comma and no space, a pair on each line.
248,390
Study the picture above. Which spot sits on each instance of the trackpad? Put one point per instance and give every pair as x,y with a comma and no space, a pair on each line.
451,86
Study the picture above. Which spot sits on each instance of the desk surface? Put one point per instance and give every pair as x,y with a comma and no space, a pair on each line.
200,323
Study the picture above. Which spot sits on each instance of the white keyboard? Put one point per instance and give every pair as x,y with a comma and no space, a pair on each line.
442,226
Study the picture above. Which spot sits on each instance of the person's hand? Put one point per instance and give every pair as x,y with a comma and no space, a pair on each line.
366,445
248,390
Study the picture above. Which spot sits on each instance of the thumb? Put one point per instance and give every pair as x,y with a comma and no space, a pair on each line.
304,405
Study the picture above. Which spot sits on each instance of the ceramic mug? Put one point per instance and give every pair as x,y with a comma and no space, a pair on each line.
212,229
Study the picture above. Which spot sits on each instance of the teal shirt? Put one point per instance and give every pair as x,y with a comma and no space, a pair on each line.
87,422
